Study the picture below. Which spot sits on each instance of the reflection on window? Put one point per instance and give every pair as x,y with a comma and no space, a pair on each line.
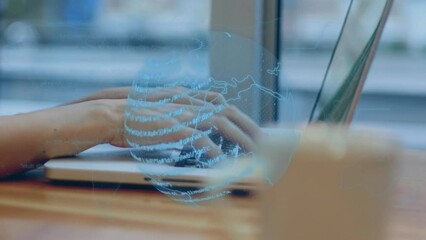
57,50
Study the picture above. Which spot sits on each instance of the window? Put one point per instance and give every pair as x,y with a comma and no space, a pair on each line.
53,51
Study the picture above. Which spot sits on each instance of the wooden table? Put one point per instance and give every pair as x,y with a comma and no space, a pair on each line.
408,207
30,208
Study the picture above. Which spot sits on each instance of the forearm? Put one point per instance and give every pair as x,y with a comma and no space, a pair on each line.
27,140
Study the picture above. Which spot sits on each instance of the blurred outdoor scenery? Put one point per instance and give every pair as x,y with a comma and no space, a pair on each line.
53,51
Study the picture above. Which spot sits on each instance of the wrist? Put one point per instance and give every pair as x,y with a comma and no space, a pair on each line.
108,116
75,128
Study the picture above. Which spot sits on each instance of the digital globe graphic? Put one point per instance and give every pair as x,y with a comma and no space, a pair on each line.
177,127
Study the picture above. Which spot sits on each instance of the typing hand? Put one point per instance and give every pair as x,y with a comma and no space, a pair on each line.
145,124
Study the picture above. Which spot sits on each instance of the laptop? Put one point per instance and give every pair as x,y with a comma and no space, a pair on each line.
336,102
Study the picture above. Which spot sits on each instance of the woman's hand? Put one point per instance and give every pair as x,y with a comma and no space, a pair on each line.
196,112
229,122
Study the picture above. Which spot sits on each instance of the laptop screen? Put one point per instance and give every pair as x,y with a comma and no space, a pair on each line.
350,61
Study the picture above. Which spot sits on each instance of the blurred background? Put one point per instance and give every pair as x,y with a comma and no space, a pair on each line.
53,51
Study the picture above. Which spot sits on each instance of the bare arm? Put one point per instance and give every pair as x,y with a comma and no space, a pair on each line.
28,140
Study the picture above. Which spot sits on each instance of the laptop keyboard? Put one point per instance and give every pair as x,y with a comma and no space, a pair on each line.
227,147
